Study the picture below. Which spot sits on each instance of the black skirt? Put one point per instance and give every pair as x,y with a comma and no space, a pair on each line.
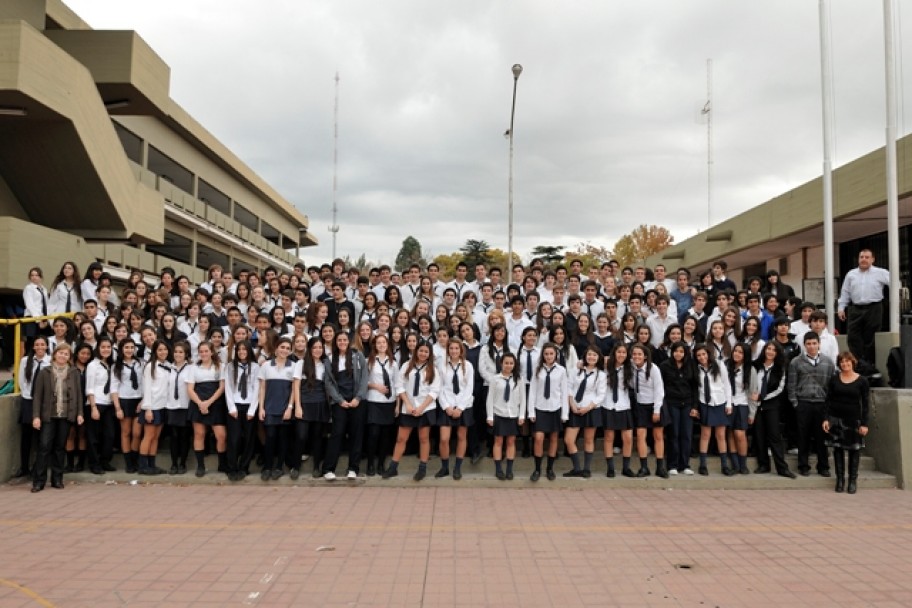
128,406
589,420
614,420
547,422
428,418
506,427
157,417
466,419
643,415
218,411
740,414
316,412
177,418
714,415
25,411
843,434
383,414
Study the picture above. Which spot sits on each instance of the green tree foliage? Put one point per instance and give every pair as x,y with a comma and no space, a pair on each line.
551,255
410,253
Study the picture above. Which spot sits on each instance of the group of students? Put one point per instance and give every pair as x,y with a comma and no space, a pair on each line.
270,367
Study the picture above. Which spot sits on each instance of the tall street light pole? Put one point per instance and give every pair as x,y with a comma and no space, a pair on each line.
517,70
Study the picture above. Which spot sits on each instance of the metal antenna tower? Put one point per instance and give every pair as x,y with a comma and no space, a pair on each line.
335,225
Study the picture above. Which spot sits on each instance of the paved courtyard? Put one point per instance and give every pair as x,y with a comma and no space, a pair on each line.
204,545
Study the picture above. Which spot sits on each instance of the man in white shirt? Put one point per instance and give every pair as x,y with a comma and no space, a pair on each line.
862,294
591,305
829,348
516,323
459,284
433,272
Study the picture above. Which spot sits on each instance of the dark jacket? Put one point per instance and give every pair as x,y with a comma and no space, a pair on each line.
44,404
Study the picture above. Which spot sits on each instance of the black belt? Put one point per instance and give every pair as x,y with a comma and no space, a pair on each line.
865,305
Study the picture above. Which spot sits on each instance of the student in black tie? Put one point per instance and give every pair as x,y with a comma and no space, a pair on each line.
767,397
156,378
455,402
65,294
35,296
548,407
381,404
714,394
177,417
102,429
587,392
241,391
126,394
28,370
506,411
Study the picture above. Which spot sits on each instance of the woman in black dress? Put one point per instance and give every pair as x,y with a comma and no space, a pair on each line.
845,419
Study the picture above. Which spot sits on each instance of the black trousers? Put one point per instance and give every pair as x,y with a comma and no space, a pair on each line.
100,435
241,438
51,450
811,435
863,323
352,421
679,436
481,438
305,431
380,441
768,438
26,436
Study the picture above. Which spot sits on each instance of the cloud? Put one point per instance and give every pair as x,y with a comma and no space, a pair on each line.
605,133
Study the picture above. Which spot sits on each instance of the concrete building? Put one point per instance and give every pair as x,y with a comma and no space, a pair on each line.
97,162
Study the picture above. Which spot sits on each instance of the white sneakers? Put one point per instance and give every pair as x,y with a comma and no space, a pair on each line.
352,475
688,471
672,471
329,476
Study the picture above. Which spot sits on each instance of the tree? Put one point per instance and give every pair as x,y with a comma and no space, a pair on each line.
642,242
475,252
361,263
409,253
591,255
549,254
494,257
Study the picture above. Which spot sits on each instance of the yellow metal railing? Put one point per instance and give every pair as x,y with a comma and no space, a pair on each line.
17,340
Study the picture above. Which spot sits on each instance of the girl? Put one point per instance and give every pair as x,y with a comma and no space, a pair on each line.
363,336
604,338
136,324
243,297
64,333
381,404
241,386
627,331
492,355
298,347
126,394
583,336
548,407
506,412
731,320
720,347
566,354
680,380
649,413
57,405
346,385
177,416
311,408
328,335
618,415
587,393
216,337
397,345
455,401
691,334
741,376
441,341
90,281
369,311
403,319
206,389
441,316
190,323
426,330
108,327
28,372
384,323
278,322
527,360
393,297
168,331
714,394
845,419
276,404
199,335
65,295
766,397
103,426
418,388
156,380
473,348
76,443
750,336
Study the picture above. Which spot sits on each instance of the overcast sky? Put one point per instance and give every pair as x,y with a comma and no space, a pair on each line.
606,133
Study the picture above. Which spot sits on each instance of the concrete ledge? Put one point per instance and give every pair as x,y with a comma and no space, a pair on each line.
890,438
9,436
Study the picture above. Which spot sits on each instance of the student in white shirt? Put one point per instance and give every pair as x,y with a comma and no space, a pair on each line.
126,394
418,387
242,385
506,413
457,383
650,411
714,395
102,428
28,370
549,406
156,379
741,375
587,393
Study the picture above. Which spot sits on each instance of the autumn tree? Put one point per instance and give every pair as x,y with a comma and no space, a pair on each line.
642,242
589,253
410,253
549,254
492,258
361,263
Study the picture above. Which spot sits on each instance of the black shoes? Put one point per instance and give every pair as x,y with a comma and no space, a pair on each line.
419,474
788,473
643,472
703,470
57,484
536,475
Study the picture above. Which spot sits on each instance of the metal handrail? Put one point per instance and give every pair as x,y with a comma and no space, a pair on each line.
17,340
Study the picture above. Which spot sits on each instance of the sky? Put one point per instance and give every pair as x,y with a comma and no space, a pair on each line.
607,127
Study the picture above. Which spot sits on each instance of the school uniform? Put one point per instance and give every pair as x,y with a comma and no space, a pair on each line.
156,381
567,358
206,381
649,393
27,433
587,387
489,361
100,434
276,381
35,298
714,394
528,361
88,290
740,403
65,298
769,384
506,405
128,387
457,384
315,413
345,383
414,384
617,405
242,397
548,399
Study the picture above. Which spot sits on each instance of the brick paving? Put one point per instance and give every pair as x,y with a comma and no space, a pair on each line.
206,545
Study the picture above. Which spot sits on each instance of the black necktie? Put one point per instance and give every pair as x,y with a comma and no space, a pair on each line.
707,398
134,380
614,389
507,391
177,382
763,383
498,357
192,328
69,304
417,379
548,383
44,302
107,386
386,376
455,379
529,366
242,382
638,381
529,315
486,307
582,388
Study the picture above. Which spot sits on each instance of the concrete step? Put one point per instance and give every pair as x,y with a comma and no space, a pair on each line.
481,475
